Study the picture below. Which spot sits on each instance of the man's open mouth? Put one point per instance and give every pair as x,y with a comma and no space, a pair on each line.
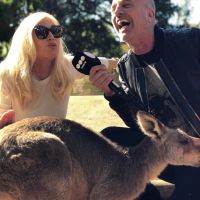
123,23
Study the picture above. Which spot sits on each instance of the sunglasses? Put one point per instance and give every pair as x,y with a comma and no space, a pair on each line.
42,32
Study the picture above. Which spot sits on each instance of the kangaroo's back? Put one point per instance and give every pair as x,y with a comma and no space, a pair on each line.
78,138
87,156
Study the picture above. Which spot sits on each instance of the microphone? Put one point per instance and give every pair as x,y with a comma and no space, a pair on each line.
83,62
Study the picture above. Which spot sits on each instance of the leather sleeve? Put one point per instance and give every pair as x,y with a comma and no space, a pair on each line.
126,107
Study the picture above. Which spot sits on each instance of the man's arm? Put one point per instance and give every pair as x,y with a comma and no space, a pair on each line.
124,106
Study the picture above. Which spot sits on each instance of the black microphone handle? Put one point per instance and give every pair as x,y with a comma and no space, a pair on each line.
116,88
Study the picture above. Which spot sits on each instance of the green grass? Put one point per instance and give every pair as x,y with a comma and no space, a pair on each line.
93,112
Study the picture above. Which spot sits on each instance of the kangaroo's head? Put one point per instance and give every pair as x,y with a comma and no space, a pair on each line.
177,146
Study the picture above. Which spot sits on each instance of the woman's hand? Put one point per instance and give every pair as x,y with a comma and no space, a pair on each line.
100,77
7,118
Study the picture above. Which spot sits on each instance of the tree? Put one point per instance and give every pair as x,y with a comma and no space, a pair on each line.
166,9
87,22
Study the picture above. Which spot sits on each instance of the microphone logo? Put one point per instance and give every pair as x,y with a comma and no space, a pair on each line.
81,63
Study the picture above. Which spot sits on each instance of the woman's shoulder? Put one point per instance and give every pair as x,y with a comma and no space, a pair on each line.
68,60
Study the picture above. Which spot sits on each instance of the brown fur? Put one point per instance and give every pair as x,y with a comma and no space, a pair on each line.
47,158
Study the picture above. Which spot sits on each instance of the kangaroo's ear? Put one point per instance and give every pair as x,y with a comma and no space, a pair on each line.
19,162
150,126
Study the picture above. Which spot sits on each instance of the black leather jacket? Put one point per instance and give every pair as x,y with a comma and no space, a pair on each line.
180,51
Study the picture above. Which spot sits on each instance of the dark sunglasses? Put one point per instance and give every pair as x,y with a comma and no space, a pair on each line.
42,32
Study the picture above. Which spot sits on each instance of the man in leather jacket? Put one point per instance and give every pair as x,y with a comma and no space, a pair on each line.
161,75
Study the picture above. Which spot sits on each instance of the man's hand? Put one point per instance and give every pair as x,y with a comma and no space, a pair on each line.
7,118
100,77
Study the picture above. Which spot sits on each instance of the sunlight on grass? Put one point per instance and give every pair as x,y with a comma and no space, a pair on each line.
93,112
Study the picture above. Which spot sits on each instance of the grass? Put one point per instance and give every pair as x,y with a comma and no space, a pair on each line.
93,112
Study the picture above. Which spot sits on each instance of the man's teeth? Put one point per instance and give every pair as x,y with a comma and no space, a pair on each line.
122,23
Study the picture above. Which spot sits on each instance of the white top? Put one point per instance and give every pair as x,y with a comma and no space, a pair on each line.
46,105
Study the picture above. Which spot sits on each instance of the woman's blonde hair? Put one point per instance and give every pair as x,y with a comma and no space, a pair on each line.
15,70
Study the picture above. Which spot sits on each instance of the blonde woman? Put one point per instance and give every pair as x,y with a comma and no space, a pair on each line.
37,75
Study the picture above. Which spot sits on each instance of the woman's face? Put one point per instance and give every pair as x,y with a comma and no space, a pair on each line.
46,48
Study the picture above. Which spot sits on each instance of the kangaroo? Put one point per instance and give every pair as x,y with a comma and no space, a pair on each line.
47,158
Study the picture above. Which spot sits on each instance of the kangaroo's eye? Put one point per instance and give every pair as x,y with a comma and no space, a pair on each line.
184,141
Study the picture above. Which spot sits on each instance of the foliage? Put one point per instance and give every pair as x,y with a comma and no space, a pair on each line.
164,10
8,20
87,23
